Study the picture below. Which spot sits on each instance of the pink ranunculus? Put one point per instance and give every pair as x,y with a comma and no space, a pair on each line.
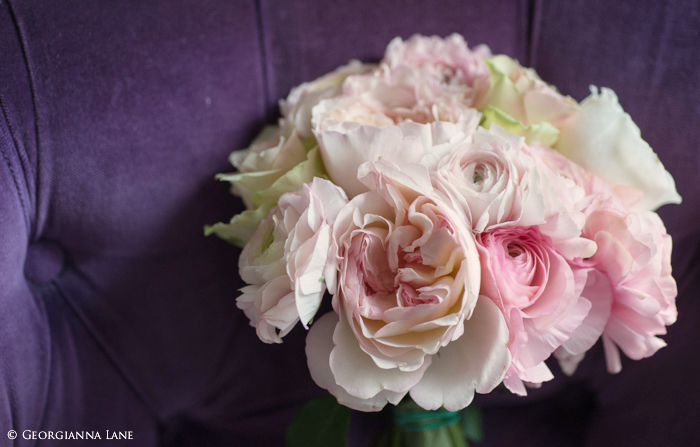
499,184
286,262
589,191
607,214
617,153
539,292
629,284
407,312
634,253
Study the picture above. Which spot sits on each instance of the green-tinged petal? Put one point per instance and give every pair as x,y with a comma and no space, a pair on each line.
241,227
247,184
543,132
309,143
292,180
503,94
268,132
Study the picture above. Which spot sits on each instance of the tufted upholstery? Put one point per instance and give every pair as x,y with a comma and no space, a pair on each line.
115,312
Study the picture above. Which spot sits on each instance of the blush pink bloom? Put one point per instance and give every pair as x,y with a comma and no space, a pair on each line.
617,153
498,184
286,262
297,108
629,283
383,97
589,191
452,70
346,146
407,313
424,79
634,253
278,149
539,293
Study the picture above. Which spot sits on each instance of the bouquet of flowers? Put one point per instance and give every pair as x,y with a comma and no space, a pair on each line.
466,220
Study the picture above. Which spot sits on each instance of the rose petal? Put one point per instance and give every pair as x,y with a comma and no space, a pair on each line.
345,146
359,375
602,138
477,361
319,344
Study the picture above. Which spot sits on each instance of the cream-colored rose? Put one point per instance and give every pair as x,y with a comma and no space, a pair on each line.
296,109
286,262
407,317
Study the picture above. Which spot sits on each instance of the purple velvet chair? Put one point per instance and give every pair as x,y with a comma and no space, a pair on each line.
116,313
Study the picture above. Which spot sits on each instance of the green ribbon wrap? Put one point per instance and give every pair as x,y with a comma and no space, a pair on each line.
413,426
414,420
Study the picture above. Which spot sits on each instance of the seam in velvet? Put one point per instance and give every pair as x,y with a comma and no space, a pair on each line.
533,32
32,87
38,296
109,355
11,167
263,60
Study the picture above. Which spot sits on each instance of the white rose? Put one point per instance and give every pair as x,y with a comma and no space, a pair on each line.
603,139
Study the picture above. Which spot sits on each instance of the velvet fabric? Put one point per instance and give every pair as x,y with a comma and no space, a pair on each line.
116,313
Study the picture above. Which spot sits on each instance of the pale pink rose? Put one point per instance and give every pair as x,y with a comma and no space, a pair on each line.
539,293
407,312
280,148
296,109
286,262
359,103
634,253
384,97
422,80
345,146
449,68
273,153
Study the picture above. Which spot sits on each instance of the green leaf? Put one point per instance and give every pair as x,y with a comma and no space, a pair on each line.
322,422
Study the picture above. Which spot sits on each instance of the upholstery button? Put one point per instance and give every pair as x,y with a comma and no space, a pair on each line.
44,261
